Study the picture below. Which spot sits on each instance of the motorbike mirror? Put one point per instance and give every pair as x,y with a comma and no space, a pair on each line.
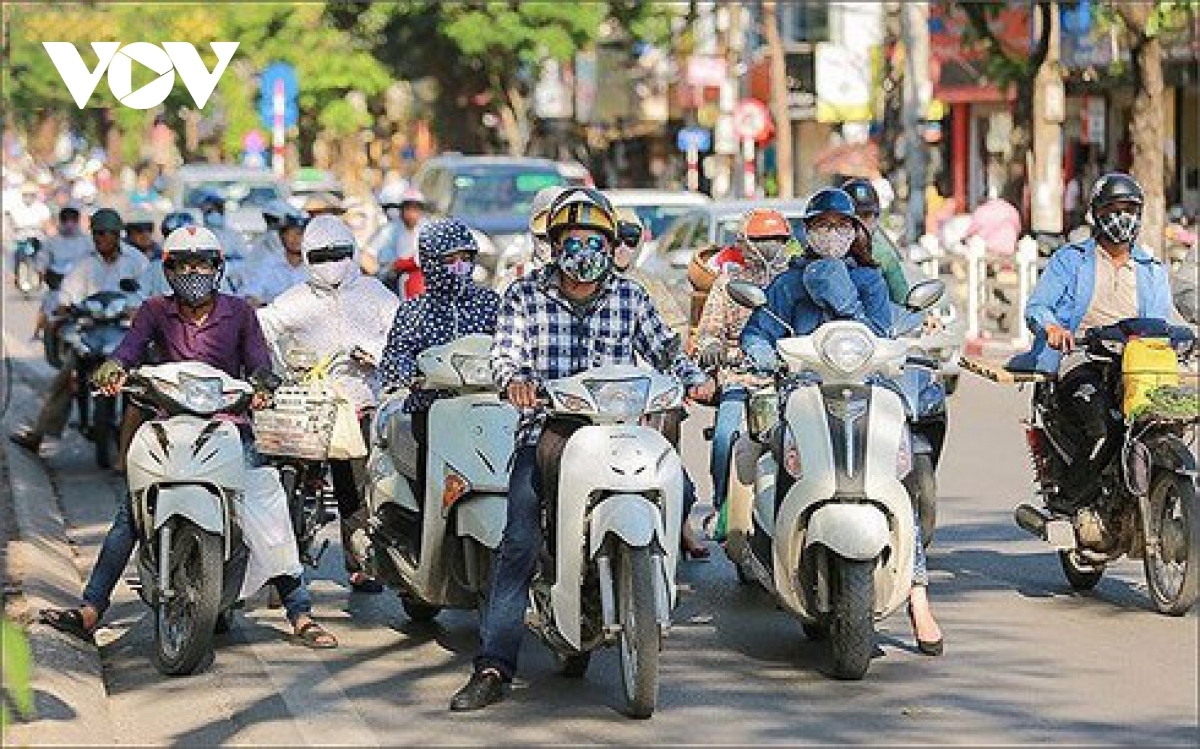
129,285
746,294
629,233
923,295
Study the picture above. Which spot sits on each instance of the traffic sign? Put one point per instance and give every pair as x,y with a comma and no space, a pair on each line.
285,74
750,119
694,139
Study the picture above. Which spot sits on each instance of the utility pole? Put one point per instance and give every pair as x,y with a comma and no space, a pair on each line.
779,102
914,33
1049,111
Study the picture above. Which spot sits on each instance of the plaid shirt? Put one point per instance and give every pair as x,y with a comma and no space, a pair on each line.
541,336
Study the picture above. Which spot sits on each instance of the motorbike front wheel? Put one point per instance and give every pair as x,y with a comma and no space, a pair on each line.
1173,573
639,640
185,623
852,626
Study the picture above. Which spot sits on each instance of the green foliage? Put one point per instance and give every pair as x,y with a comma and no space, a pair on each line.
17,669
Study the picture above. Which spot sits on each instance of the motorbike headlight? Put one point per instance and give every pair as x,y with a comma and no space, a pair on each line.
572,403
201,394
667,399
622,400
847,350
475,371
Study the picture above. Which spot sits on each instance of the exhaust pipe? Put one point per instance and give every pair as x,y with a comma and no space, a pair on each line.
1056,531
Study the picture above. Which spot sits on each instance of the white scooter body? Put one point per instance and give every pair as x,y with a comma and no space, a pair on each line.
471,437
850,438
612,471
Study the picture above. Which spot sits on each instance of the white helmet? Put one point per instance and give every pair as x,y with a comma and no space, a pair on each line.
327,232
329,248
193,241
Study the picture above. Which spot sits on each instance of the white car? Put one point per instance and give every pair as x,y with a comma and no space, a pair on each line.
657,208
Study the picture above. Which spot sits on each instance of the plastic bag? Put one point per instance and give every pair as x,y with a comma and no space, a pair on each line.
346,442
267,529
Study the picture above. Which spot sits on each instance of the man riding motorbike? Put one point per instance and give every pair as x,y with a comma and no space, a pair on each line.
279,271
112,267
153,282
866,206
391,255
556,322
60,253
762,239
338,310
1088,284
452,306
195,324
139,234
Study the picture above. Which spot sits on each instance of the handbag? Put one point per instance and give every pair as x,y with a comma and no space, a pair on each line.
346,442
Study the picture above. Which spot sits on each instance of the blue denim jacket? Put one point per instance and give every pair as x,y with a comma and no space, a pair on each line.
811,292
1064,292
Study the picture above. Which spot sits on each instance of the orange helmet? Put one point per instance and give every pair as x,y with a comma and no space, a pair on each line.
765,223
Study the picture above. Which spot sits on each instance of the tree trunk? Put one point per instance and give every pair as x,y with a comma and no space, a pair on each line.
784,163
1146,137
914,32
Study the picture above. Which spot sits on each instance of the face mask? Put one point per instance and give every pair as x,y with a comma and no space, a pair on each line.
214,220
331,274
192,288
461,268
831,241
585,261
393,213
1120,227
771,251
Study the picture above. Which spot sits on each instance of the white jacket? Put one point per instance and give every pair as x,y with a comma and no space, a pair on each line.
357,312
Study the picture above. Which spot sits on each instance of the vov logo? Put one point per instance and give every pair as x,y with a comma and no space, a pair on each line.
166,60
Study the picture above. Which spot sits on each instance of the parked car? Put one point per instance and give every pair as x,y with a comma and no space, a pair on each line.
491,194
657,208
245,189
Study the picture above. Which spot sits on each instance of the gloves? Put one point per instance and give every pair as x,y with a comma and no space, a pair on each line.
829,284
265,381
361,357
109,372
711,355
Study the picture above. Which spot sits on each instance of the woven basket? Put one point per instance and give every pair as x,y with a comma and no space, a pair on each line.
299,425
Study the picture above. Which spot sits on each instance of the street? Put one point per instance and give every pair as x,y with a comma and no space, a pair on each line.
1027,661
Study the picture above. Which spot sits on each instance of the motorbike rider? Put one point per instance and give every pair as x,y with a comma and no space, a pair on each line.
835,279
153,281
196,323
237,255
392,253
553,323
139,234
60,253
279,271
762,240
269,244
539,211
337,310
452,306
866,205
112,267
1093,283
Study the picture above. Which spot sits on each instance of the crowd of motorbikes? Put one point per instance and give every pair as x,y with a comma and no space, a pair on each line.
851,428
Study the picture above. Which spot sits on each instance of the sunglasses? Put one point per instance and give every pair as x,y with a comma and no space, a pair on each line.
330,254
594,243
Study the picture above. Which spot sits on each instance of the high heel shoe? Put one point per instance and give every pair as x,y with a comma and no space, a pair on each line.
927,647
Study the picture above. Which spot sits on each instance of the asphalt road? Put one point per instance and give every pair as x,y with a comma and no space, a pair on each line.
1027,660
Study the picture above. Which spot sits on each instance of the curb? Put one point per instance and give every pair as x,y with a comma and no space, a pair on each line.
68,677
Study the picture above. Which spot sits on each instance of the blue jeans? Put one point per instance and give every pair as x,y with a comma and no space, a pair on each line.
731,408
118,548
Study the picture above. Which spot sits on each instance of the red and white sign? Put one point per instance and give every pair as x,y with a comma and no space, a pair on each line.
751,119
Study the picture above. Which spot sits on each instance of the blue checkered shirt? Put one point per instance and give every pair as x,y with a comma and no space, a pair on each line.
541,336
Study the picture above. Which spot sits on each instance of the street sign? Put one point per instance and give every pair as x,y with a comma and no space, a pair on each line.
278,72
750,119
694,139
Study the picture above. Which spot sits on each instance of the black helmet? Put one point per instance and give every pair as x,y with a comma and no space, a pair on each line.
1115,187
866,199
830,200
174,220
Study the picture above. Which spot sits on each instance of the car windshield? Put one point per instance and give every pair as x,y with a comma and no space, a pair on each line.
656,218
237,193
495,191
727,229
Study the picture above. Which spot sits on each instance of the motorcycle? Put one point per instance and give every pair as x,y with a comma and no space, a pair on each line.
185,471
1141,500
434,543
832,522
607,575
26,274
91,333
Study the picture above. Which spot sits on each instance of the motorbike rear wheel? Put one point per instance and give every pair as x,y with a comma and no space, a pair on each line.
639,640
185,624
1080,575
1173,573
852,626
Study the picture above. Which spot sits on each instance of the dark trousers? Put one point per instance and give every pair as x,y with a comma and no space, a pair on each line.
349,484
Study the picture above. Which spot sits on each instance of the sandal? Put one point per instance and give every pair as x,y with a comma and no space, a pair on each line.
69,621
315,636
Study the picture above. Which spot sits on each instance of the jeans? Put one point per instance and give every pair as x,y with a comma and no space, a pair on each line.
731,410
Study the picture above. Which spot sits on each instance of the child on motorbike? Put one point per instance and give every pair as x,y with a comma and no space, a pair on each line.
452,306
200,324
835,279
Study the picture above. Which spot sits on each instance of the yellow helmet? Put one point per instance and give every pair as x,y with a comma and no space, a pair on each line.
581,207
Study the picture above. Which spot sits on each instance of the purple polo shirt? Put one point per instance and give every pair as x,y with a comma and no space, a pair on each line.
229,339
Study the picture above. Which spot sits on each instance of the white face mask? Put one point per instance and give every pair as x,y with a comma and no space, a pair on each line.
831,241
333,274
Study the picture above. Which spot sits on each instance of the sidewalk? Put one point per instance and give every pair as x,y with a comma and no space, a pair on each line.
42,570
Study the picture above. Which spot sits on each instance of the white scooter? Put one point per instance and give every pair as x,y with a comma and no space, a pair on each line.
609,574
436,548
185,472
832,532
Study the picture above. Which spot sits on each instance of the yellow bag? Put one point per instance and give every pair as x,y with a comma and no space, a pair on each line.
1148,363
